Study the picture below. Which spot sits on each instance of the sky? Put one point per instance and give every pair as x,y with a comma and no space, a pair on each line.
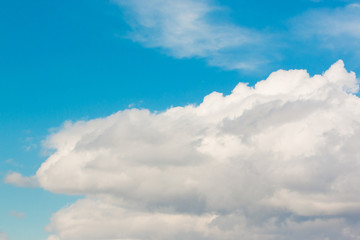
179,119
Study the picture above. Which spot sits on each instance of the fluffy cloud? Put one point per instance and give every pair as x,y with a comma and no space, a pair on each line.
188,28
17,179
279,160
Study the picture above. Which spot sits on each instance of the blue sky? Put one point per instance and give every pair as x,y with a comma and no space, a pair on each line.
81,60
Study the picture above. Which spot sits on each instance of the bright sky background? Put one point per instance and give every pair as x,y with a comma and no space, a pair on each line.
81,60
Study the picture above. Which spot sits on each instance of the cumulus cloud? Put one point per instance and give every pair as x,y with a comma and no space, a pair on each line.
114,222
279,160
188,28
337,28
17,179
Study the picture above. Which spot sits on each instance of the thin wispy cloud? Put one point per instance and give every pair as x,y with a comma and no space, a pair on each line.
188,28
191,29
333,27
276,161
331,23
17,214
13,163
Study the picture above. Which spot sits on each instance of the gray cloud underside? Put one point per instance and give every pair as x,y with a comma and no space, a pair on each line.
276,161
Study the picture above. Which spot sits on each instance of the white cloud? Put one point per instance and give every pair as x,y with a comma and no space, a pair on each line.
105,220
277,161
188,28
17,179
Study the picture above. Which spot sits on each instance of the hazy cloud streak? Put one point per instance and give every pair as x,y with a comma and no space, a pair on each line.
336,29
188,28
